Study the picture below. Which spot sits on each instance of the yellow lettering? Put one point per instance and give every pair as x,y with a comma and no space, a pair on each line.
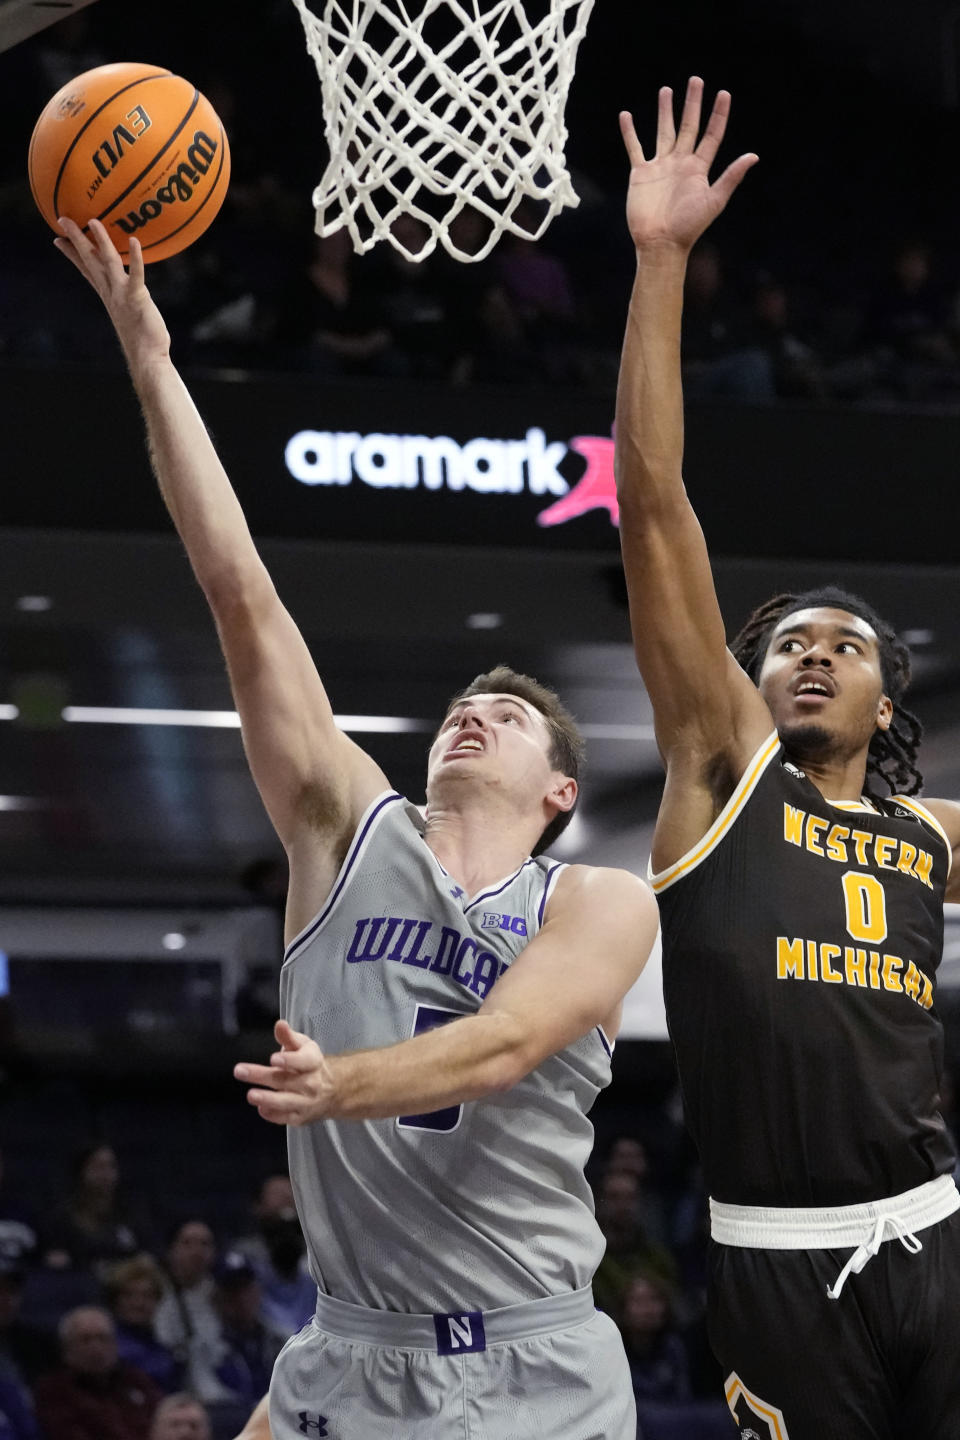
892,965
866,906
874,970
861,839
926,999
856,965
835,846
908,853
827,972
793,824
923,868
883,847
812,960
814,826
789,958
911,981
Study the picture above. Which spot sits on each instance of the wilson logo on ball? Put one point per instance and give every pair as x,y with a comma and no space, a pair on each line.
179,187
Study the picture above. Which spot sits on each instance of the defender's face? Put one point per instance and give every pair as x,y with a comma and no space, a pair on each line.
492,740
822,672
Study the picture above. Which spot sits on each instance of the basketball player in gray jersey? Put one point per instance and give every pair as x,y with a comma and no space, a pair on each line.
449,1006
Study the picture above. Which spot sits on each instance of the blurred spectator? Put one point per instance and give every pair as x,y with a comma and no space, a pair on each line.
134,1289
412,298
180,1417
629,1247
277,1253
92,1228
94,1395
538,290
18,1238
722,355
628,1156
795,364
909,329
17,1420
658,1361
250,1346
330,324
187,1321
25,1352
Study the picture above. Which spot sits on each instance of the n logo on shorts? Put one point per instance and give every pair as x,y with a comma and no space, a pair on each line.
756,1419
460,1334
311,1426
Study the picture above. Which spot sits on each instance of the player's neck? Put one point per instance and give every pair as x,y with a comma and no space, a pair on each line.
478,846
837,779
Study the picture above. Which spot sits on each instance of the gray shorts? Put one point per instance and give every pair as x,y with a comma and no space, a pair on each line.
553,1369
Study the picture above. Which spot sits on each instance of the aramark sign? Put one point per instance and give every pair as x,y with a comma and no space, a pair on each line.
485,466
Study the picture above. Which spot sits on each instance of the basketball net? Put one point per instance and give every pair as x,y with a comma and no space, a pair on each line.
434,107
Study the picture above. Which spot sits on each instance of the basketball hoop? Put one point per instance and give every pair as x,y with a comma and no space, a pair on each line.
434,108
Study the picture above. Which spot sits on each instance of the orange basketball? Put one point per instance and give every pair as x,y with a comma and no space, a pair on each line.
136,147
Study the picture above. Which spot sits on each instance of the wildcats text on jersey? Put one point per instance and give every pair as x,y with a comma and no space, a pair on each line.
428,946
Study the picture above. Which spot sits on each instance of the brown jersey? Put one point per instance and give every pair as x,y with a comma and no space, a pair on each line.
801,940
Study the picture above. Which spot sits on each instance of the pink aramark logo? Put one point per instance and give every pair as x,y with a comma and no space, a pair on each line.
596,488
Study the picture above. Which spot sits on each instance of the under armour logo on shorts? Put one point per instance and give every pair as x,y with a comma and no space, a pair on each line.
310,1426
460,1334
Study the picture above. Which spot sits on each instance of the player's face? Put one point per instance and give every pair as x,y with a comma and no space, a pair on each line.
496,740
822,681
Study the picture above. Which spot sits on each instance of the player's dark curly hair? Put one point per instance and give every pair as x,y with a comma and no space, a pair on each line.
892,757
567,748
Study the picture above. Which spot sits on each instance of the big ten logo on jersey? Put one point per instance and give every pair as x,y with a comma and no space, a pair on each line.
514,923
107,154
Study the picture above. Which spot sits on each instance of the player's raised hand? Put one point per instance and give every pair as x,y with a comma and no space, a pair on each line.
670,198
135,317
296,1087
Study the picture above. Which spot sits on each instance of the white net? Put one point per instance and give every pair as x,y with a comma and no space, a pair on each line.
447,111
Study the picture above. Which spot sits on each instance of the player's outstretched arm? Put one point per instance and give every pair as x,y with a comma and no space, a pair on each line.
599,929
309,774
703,706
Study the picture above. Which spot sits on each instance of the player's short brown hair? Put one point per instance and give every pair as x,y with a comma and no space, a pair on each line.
566,742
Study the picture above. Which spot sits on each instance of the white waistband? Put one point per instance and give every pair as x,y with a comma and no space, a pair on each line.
795,1228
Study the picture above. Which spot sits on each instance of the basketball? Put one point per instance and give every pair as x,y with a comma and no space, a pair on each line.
135,147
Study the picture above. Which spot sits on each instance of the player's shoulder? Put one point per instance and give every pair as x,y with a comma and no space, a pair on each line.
603,885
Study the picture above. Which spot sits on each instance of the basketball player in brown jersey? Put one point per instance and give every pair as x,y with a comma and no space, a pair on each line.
801,906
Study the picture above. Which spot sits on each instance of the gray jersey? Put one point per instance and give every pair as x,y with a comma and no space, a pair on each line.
479,1205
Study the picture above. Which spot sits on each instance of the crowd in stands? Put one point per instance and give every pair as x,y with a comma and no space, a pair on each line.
877,323
114,1329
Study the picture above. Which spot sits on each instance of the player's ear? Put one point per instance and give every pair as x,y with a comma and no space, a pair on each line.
885,713
564,793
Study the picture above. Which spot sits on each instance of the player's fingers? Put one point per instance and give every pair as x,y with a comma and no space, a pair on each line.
716,126
666,132
297,1062
257,1074
135,266
280,1109
633,146
72,232
289,1038
726,183
66,248
690,119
